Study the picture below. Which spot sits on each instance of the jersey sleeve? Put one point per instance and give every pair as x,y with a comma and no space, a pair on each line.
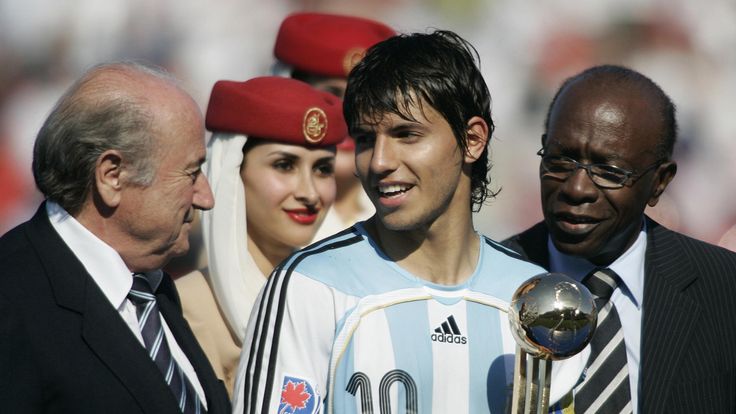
284,363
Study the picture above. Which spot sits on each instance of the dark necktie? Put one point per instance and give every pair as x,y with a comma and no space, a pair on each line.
605,388
152,331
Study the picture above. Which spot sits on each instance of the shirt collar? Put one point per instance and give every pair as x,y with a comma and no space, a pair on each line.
101,261
629,266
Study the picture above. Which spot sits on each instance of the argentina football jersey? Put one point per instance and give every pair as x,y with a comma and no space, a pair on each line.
341,328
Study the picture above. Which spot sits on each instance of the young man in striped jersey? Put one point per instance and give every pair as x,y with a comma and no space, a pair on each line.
404,312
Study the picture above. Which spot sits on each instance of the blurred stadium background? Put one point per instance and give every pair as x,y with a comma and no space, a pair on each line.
527,49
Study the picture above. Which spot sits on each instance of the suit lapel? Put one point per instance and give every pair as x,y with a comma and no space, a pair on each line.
102,328
112,341
669,315
531,244
168,303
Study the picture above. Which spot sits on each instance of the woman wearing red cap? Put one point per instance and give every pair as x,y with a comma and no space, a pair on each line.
272,149
321,49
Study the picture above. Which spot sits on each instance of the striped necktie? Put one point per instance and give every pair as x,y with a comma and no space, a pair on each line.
605,388
152,331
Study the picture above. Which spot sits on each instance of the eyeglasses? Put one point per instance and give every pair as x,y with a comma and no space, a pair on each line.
602,175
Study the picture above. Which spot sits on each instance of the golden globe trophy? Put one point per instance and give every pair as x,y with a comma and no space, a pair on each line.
552,318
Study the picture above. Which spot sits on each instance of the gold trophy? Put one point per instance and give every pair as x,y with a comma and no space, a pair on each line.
552,318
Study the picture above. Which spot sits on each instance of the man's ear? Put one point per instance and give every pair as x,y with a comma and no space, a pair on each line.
109,177
476,138
663,175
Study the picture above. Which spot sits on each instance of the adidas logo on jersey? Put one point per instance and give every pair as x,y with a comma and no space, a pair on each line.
448,332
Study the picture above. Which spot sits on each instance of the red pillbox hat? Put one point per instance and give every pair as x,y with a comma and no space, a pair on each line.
327,44
276,108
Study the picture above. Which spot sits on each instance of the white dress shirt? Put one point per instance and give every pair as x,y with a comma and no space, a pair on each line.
628,298
114,278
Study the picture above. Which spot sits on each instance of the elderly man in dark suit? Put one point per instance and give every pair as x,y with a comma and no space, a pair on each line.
666,327
89,322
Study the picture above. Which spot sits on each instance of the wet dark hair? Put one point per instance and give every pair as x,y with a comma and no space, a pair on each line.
440,69
616,76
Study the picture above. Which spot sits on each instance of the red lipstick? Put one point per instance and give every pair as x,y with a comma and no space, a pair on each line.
303,215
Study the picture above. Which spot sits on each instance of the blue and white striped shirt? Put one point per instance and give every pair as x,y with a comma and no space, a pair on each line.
341,328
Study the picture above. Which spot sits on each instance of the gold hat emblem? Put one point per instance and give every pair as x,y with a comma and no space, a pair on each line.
315,125
352,57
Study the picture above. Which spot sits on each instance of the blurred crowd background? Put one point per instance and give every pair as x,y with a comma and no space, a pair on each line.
527,49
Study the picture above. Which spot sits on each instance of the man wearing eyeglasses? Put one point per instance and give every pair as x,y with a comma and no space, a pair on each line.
606,155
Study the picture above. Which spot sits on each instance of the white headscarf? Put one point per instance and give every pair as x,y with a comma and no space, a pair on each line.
233,274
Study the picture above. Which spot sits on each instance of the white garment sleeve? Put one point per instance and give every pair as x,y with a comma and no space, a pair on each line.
287,347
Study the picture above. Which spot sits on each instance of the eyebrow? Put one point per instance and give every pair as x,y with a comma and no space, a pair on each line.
196,164
291,156
400,125
608,158
328,158
363,128
404,125
281,153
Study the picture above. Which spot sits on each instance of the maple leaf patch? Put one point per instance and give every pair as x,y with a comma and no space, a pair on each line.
297,397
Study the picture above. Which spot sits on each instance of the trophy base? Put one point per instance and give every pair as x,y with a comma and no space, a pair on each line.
531,384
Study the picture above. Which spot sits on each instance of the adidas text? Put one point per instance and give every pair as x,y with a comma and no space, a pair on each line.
449,338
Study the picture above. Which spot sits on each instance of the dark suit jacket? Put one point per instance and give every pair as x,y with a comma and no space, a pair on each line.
688,321
65,349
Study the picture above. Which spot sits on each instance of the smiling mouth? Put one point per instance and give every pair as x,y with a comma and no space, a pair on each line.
393,190
303,216
575,219
574,226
